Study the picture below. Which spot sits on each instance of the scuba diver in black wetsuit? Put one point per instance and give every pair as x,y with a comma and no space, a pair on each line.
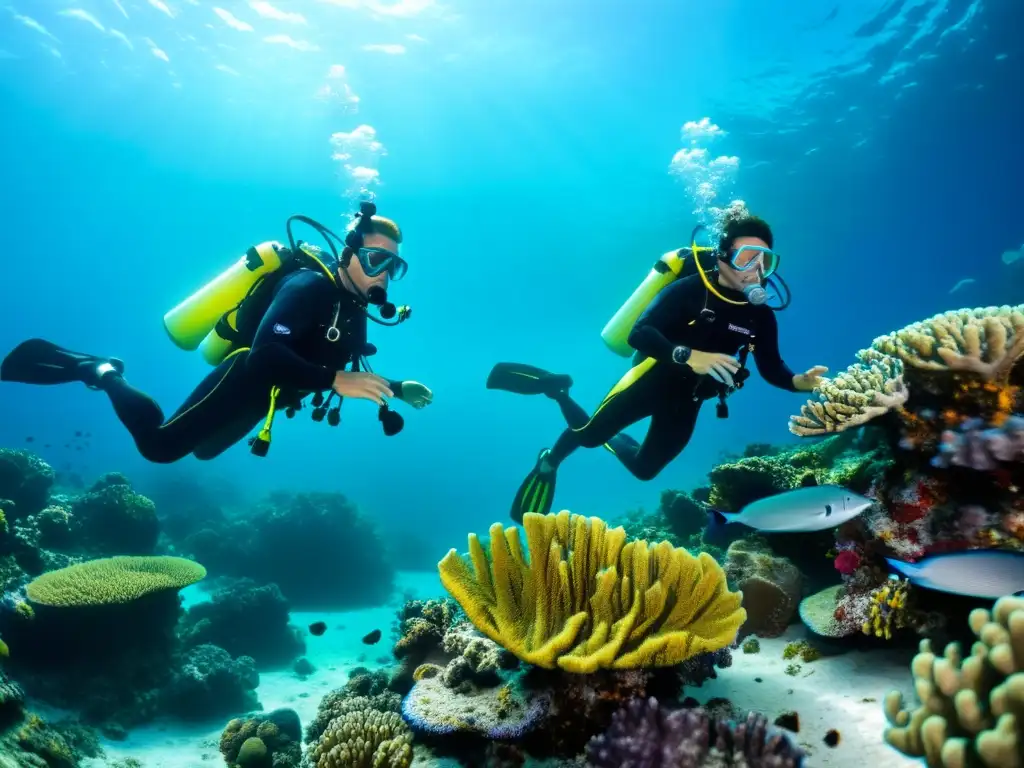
691,345
281,324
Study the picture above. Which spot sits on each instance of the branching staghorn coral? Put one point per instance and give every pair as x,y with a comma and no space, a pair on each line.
972,710
862,392
585,599
986,341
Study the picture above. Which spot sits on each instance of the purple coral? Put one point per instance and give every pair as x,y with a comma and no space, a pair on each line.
643,735
977,447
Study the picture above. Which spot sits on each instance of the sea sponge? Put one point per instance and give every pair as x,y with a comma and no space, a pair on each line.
500,712
856,396
971,709
113,580
586,600
771,586
986,341
364,739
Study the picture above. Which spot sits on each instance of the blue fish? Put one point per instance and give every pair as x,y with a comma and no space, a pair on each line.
986,573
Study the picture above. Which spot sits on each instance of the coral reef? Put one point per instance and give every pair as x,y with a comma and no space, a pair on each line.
645,734
341,701
986,341
113,519
567,606
211,684
273,739
977,446
422,629
101,636
25,482
970,707
317,547
771,586
245,620
363,739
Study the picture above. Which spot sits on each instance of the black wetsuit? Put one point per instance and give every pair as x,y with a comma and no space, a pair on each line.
686,313
290,351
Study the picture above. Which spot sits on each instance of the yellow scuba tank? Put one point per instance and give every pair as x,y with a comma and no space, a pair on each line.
665,270
193,323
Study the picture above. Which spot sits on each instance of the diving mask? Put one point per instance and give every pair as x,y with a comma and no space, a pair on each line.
375,261
748,257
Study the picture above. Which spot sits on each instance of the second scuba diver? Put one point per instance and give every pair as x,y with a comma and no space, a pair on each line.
281,324
691,345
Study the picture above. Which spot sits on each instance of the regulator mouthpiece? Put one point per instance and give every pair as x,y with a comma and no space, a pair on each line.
378,296
755,294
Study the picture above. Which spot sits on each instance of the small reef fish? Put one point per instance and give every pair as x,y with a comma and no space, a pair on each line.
815,508
962,284
373,638
985,573
317,628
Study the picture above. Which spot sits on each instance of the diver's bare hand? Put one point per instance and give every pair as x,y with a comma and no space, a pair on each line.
363,386
718,366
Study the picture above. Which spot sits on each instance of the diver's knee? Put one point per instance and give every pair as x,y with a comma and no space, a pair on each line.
589,439
645,473
159,454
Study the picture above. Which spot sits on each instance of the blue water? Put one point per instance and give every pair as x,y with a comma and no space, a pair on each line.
526,151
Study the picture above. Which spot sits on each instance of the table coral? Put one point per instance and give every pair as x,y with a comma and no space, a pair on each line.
113,580
970,708
585,599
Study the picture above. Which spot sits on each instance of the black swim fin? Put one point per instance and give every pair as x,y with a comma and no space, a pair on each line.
523,379
536,493
38,361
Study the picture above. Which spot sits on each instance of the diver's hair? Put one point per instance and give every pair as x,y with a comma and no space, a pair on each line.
380,225
737,221
386,227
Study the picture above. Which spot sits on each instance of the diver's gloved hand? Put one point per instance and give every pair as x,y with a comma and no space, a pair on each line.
362,386
415,394
718,366
811,379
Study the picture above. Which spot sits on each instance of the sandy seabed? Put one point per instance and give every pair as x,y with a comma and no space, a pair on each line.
841,692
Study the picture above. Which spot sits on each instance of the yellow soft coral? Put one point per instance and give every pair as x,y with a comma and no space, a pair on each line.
861,393
587,600
972,710
887,609
986,341
113,580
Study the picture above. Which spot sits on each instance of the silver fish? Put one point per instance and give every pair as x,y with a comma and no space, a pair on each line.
988,573
815,508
